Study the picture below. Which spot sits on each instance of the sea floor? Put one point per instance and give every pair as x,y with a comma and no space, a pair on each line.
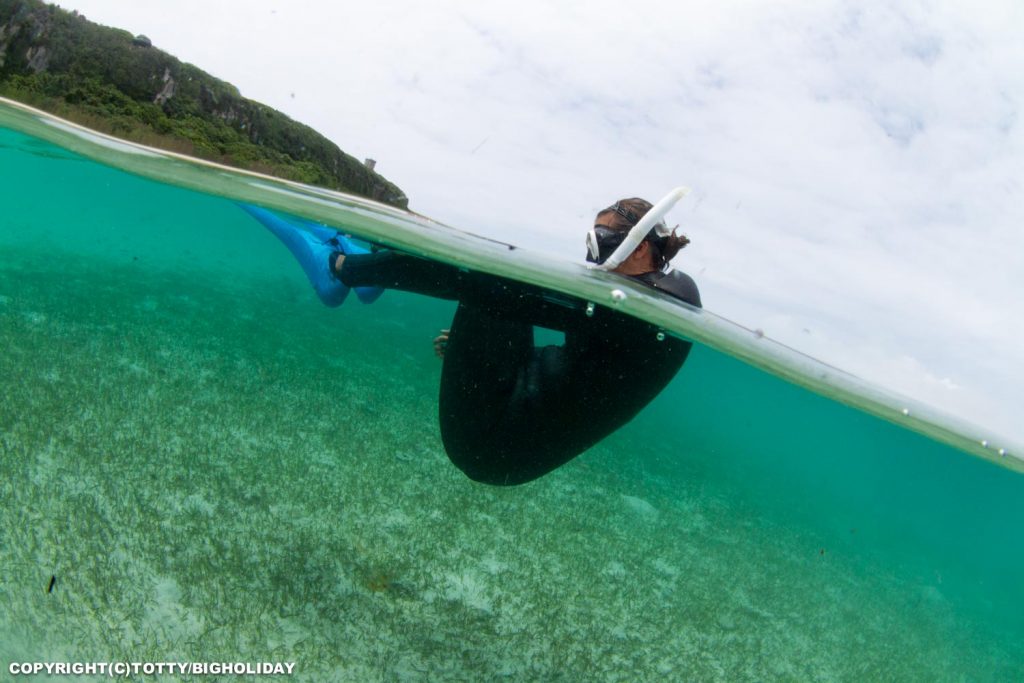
229,472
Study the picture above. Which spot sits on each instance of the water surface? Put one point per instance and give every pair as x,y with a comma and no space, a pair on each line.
217,468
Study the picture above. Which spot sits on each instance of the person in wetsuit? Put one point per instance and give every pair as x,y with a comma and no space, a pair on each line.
509,411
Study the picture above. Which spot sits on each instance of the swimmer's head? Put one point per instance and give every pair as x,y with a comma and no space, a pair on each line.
613,224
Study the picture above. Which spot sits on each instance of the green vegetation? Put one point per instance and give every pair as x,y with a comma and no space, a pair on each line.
116,83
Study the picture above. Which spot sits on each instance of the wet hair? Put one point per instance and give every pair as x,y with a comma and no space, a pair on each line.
626,213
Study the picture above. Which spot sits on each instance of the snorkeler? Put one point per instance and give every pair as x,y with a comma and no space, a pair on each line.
509,411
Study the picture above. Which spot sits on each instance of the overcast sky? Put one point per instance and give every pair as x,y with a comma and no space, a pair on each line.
857,166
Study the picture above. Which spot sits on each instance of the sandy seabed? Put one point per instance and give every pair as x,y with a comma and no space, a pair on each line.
219,473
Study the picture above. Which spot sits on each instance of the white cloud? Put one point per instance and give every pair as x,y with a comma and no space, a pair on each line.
857,166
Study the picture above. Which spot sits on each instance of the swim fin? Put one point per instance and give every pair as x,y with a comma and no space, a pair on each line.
346,246
312,248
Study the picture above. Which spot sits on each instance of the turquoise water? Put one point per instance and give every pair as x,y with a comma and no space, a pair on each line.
215,467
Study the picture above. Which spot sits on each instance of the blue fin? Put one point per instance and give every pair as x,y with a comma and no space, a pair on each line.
309,250
346,246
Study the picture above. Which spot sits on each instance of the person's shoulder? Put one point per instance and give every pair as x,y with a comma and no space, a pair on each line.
680,285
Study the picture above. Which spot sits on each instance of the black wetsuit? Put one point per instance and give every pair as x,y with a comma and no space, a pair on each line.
511,412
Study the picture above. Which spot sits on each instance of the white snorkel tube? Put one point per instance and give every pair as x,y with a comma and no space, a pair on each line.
639,231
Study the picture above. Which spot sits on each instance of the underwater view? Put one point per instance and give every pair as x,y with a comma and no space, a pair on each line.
201,462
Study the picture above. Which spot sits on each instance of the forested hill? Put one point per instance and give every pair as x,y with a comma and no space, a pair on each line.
117,83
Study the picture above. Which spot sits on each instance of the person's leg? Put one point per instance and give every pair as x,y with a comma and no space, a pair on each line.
483,359
481,379
395,270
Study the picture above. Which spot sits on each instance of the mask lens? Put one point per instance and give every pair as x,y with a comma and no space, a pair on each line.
593,246
601,242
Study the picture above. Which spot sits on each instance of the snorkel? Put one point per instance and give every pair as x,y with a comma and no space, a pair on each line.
651,220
